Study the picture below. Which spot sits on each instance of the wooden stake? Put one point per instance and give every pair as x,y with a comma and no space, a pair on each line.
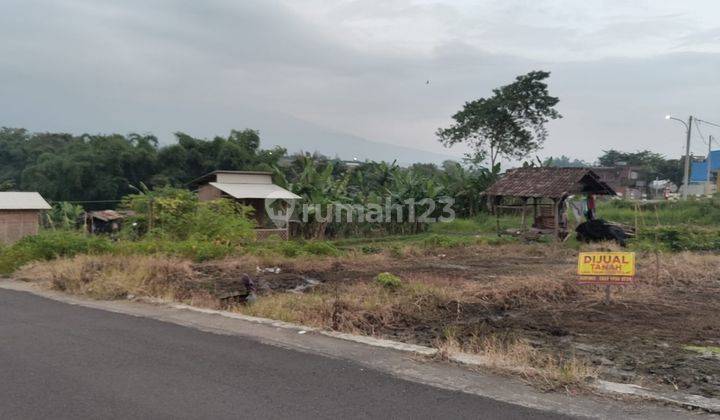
607,294
556,219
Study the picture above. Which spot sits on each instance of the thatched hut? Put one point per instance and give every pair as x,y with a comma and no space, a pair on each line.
545,191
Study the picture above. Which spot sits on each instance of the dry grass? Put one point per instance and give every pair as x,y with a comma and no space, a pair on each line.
111,277
304,264
517,356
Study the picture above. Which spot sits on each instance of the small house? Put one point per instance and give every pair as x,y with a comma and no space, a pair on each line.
627,181
20,215
254,189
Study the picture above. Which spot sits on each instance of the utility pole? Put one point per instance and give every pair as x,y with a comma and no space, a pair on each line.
686,174
708,161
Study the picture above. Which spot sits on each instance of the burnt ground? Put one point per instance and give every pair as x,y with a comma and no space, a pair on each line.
640,337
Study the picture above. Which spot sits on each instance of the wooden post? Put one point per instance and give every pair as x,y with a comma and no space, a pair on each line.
556,219
522,218
607,294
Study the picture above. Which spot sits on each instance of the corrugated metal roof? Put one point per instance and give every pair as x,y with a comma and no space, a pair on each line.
255,191
109,215
16,200
213,175
548,182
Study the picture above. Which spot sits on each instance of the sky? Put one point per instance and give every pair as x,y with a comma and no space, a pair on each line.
343,70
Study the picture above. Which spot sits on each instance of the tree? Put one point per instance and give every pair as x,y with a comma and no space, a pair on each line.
509,124
564,162
654,164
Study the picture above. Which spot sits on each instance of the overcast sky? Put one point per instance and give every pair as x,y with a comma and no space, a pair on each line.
359,67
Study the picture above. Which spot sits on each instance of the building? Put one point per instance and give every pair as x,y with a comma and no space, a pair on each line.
254,189
627,181
20,215
699,182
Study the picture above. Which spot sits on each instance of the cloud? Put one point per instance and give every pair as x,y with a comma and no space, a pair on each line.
352,68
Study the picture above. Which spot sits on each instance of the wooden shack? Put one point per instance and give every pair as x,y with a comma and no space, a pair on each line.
543,191
20,215
105,221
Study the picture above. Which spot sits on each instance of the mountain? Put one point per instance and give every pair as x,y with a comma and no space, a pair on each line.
298,135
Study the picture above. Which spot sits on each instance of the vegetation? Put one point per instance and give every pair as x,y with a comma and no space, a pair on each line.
177,214
564,162
388,280
655,165
510,124
63,167
49,245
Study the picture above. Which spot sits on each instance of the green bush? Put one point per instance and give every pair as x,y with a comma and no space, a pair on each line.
177,214
388,280
678,238
290,249
49,244
321,248
369,249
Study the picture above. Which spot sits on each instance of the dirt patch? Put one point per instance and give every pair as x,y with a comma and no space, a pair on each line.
528,292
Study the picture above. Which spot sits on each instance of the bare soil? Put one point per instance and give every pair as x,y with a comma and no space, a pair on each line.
640,337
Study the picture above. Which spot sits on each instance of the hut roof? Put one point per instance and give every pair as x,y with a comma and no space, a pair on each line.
21,200
548,182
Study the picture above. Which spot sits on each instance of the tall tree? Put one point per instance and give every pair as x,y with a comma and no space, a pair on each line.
509,124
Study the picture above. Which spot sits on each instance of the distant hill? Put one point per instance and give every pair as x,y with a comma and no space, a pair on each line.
297,135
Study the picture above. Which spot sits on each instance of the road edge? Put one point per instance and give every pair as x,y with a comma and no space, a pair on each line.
603,387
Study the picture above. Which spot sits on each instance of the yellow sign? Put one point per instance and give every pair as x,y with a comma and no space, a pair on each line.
606,264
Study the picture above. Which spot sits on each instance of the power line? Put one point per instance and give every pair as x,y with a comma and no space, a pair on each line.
85,201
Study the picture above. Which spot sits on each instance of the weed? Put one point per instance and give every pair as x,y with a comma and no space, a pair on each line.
388,281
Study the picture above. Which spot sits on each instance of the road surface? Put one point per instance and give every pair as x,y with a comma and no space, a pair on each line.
65,361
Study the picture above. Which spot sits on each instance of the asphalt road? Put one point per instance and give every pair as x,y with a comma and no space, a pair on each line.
64,361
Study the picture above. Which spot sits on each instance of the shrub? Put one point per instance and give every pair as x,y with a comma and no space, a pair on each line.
369,249
219,221
177,214
50,244
321,248
290,249
388,280
396,251
679,238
